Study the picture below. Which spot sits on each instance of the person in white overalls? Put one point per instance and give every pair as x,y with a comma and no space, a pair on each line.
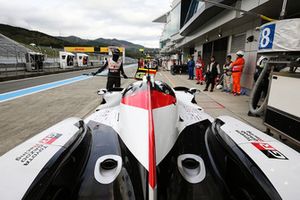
115,68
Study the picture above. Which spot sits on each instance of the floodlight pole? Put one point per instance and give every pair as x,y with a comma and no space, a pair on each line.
283,9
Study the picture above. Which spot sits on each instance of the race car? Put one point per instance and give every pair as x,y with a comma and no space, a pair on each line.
150,141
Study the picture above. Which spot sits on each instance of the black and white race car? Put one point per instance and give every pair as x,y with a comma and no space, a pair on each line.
150,141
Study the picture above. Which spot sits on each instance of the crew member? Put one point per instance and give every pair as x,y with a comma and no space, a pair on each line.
191,66
141,63
212,72
115,67
199,70
237,68
227,74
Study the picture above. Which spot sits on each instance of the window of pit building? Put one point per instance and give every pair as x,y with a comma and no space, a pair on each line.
195,6
173,23
175,19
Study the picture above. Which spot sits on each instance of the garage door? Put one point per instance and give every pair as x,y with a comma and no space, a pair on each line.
238,42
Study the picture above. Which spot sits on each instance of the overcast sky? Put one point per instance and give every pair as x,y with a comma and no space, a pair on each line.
89,19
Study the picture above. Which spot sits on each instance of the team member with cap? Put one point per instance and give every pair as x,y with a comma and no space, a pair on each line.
237,68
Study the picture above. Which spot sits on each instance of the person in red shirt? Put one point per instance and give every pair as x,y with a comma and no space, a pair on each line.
141,63
237,68
199,70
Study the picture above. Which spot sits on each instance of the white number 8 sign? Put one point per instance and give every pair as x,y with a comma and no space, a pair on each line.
266,37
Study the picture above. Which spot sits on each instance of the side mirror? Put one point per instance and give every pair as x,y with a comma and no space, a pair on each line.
102,91
194,91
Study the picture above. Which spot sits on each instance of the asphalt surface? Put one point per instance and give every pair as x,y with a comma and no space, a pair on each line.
24,117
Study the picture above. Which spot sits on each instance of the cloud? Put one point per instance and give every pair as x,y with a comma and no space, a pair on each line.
90,19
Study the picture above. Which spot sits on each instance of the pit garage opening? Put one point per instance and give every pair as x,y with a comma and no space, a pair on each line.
218,48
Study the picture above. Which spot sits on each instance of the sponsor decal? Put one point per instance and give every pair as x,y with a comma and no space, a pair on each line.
30,154
49,139
249,135
190,114
269,151
261,145
79,49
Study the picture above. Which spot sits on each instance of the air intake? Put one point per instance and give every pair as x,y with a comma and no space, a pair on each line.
107,168
191,167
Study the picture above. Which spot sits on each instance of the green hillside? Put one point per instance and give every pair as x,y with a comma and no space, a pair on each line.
27,37
45,41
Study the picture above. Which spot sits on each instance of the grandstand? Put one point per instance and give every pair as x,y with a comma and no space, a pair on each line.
12,55
11,51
